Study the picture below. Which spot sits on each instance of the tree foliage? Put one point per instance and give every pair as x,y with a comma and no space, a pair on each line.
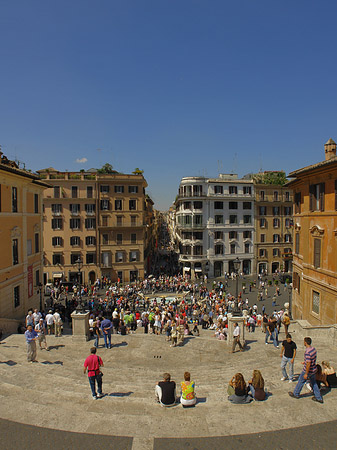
270,178
107,168
138,171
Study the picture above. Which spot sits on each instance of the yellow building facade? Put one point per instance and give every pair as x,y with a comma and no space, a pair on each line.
273,228
315,240
21,256
95,225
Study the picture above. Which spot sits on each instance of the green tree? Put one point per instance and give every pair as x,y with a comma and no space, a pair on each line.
107,168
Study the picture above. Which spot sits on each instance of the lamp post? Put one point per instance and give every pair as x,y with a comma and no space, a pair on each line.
236,264
40,288
79,263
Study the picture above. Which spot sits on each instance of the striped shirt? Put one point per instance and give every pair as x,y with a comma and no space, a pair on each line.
310,355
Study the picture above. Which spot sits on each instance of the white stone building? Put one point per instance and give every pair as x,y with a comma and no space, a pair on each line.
215,224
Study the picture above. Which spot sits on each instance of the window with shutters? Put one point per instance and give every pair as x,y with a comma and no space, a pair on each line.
315,302
132,205
218,189
276,223
232,249
197,250
262,210
90,258
90,224
218,219
119,239
262,237
316,197
57,241
218,235
75,224
37,242
74,209
317,253
297,243
247,248
56,224
119,189
218,249
118,205
74,191
247,190
89,192
56,191
104,205
134,256
90,240
276,210
233,235
247,219
105,238
75,241
57,259
16,296
297,202
36,203
90,209
15,251
247,235
119,256
133,189
276,252
233,219
233,189
74,257
14,199
133,238
263,223
56,209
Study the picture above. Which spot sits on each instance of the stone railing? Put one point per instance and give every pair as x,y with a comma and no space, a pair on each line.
325,333
10,326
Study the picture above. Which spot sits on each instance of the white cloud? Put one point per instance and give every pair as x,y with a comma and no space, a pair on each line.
81,160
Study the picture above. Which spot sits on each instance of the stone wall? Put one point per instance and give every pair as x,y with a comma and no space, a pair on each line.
10,326
327,334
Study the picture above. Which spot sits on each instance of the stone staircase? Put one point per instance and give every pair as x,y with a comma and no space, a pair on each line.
54,393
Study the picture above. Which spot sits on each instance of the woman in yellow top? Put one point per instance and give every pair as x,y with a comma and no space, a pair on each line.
188,397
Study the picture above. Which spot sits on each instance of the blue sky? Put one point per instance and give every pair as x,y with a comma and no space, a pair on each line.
176,88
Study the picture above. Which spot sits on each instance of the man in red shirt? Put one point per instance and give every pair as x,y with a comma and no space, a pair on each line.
93,363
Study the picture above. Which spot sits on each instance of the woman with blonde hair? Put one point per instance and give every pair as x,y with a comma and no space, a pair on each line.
330,374
256,386
188,397
237,390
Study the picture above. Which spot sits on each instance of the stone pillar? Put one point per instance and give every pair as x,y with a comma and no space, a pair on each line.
80,323
241,322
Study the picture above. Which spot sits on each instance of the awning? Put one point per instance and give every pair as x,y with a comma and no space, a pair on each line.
197,269
187,269
57,275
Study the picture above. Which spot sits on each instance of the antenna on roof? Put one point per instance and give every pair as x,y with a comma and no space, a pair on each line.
219,166
260,161
235,157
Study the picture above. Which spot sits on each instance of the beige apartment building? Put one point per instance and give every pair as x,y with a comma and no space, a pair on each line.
21,256
273,226
95,225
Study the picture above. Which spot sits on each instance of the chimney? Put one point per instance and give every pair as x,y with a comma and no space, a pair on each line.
330,149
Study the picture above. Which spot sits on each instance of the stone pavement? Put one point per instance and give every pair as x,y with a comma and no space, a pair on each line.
55,394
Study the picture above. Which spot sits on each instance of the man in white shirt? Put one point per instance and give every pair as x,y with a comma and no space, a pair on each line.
50,321
236,338
58,324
